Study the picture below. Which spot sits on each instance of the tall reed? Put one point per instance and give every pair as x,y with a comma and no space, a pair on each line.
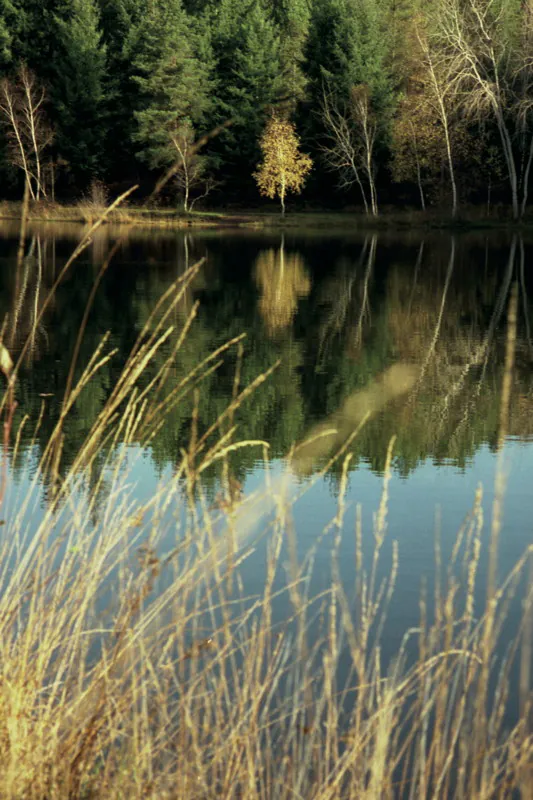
133,664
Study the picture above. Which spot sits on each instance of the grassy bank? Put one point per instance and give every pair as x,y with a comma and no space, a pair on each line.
88,212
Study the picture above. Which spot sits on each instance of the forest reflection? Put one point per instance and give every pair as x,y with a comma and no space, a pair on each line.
408,332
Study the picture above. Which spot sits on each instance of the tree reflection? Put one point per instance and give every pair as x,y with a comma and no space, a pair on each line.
282,279
432,312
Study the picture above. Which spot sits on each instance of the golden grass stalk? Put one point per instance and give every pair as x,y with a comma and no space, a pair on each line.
131,666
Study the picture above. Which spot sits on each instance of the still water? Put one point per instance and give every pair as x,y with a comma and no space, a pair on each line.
410,328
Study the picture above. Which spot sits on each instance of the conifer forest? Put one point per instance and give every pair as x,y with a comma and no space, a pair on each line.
395,103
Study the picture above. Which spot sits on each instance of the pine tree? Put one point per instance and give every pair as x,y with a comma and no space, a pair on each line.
79,91
172,81
349,45
6,11
35,35
246,48
120,20
292,19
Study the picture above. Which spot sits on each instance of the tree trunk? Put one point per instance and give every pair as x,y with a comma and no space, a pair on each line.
450,161
525,189
418,171
437,88
186,190
361,186
420,187
509,160
372,184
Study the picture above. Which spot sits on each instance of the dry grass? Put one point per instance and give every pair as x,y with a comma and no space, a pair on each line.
88,210
89,207
133,665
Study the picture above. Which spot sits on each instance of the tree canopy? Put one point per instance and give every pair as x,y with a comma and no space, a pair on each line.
447,86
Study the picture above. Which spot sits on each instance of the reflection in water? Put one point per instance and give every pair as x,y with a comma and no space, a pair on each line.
29,293
328,437
282,280
346,296
405,337
354,349
410,331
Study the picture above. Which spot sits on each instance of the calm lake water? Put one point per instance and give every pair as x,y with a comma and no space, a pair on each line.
410,327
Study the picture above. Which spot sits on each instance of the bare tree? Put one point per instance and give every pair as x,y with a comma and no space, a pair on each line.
438,90
524,99
22,111
191,176
350,142
478,51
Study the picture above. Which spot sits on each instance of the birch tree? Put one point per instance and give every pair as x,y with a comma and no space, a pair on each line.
349,143
283,168
191,176
28,133
438,90
479,54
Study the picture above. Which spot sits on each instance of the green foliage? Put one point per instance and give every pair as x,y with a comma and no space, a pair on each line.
247,55
292,19
349,44
119,20
123,75
172,80
80,91
6,16
34,32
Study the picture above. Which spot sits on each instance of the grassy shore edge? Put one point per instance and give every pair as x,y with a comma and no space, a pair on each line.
142,216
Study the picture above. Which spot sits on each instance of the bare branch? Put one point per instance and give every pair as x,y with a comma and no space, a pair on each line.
28,133
349,143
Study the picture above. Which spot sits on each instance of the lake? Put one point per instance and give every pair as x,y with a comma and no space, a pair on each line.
404,332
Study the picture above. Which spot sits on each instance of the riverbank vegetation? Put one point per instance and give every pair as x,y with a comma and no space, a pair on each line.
396,103
137,659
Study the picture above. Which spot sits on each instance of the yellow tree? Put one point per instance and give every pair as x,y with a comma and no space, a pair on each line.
283,168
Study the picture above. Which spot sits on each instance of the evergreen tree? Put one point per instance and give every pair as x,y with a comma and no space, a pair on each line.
34,33
246,46
292,18
349,45
119,20
6,11
79,91
172,80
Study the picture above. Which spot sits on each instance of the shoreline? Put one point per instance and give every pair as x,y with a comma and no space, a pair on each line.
143,217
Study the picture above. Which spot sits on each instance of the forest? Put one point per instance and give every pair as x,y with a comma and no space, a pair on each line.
395,103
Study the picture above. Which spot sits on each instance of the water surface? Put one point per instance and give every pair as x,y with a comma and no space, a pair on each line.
408,328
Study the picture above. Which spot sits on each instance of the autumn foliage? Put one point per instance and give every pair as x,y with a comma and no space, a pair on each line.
283,169
282,280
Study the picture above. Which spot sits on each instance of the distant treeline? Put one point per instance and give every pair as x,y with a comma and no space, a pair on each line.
418,102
